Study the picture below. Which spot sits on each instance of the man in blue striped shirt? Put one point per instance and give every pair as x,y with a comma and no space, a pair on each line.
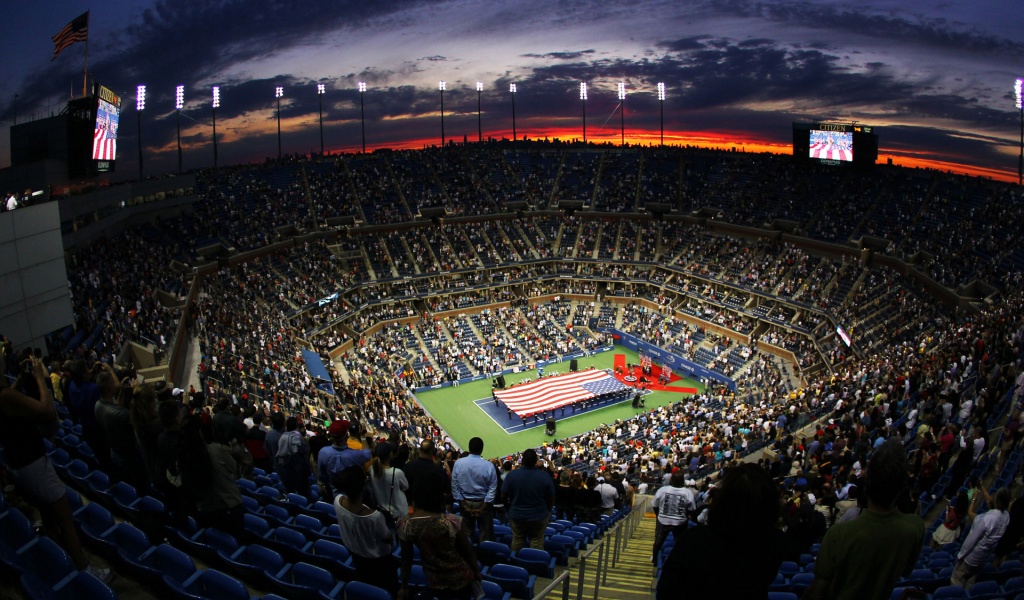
474,485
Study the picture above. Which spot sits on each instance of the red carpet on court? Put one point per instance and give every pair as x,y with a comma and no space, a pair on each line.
621,373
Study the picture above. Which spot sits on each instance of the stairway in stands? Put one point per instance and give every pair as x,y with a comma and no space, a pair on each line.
630,578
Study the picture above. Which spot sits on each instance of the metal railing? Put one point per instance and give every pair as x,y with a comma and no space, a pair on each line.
608,549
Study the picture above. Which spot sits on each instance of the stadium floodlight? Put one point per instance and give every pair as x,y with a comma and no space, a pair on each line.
362,113
442,86
479,122
661,100
140,105
583,104
320,89
512,91
278,93
179,103
216,105
622,110
1019,92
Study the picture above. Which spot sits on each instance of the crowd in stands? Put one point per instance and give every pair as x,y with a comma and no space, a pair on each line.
919,375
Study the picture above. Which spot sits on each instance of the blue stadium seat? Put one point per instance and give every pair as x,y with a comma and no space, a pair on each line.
303,581
512,579
489,553
332,556
207,584
94,522
949,592
562,548
536,562
159,562
493,591
290,543
15,532
985,590
254,563
357,590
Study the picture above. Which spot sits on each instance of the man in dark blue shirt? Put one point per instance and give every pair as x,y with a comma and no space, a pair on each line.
530,495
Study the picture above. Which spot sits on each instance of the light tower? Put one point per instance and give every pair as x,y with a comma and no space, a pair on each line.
140,104
216,105
320,89
1019,92
442,86
583,104
479,123
278,92
179,103
512,91
622,108
661,99
362,114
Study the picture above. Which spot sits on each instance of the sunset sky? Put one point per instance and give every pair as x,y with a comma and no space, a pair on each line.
935,77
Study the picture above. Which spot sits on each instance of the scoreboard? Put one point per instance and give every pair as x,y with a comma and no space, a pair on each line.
835,143
105,125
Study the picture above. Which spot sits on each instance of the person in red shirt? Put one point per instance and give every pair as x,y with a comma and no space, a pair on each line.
947,440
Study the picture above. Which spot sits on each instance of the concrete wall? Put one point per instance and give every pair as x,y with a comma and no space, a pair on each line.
34,297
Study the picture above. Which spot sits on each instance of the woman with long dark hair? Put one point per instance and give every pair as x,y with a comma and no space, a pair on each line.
738,552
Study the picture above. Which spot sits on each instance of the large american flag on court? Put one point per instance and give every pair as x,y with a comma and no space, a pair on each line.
557,391
75,31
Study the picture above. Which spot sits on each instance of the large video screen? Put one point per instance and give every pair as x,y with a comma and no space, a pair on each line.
104,135
831,145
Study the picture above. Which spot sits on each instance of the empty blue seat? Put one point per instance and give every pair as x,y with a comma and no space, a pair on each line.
357,590
159,562
42,564
985,590
124,496
332,556
209,583
493,591
290,543
128,541
512,579
94,521
254,563
800,582
489,553
949,592
303,581
15,532
536,562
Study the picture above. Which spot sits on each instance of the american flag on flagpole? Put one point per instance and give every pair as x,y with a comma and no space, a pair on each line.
560,390
75,31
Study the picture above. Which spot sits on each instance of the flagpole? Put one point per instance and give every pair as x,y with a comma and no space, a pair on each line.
85,73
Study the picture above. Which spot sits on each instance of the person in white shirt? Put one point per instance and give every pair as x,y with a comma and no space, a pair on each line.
673,504
12,202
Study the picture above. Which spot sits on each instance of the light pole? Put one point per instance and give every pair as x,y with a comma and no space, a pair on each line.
278,92
512,91
583,104
442,86
216,105
362,115
320,89
179,103
479,123
622,113
1020,107
661,99
140,104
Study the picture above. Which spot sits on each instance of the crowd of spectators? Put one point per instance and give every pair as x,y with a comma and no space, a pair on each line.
913,359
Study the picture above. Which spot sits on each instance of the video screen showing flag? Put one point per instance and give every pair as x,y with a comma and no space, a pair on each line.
831,145
104,139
